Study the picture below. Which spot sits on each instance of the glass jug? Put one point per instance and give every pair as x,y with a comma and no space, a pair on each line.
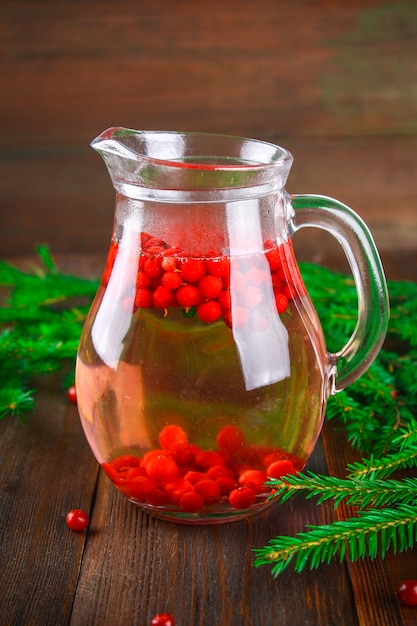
202,368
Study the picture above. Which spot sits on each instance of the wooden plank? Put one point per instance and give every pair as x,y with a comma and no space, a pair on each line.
46,470
135,566
290,69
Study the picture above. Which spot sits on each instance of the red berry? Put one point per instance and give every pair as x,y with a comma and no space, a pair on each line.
219,266
172,436
242,498
254,479
224,300
208,489
407,592
143,280
72,394
162,468
229,439
280,468
216,471
194,477
188,296
210,286
288,292
152,267
162,619
143,299
274,258
226,484
207,458
168,264
163,297
77,520
193,270
281,302
137,487
171,280
156,497
179,485
209,311
191,502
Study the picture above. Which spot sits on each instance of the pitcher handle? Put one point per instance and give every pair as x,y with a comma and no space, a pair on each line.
373,302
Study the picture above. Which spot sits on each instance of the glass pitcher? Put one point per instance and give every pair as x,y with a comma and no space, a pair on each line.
202,369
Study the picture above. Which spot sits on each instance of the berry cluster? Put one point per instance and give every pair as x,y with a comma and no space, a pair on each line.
206,287
182,475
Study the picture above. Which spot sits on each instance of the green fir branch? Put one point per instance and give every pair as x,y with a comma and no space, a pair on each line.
371,533
40,327
354,491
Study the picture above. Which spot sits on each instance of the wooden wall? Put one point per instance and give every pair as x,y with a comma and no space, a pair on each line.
335,81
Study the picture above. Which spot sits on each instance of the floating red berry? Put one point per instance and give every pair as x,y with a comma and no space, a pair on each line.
209,311
171,280
407,592
188,296
210,286
162,297
72,394
172,436
168,264
193,270
143,280
163,619
281,302
280,468
152,267
143,298
229,439
218,267
77,520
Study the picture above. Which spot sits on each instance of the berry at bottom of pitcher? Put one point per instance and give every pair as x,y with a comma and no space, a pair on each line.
183,477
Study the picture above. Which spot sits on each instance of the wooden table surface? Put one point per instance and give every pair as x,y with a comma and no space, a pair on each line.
331,80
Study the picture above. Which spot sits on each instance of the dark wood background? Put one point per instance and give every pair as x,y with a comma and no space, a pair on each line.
333,81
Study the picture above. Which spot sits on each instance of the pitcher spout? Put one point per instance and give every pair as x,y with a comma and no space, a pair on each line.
169,162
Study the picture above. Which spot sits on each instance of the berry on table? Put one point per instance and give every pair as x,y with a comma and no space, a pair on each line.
407,592
77,520
72,394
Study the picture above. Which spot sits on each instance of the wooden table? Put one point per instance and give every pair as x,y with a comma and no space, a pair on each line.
129,566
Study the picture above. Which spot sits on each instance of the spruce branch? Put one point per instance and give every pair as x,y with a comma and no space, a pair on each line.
371,533
40,327
355,491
